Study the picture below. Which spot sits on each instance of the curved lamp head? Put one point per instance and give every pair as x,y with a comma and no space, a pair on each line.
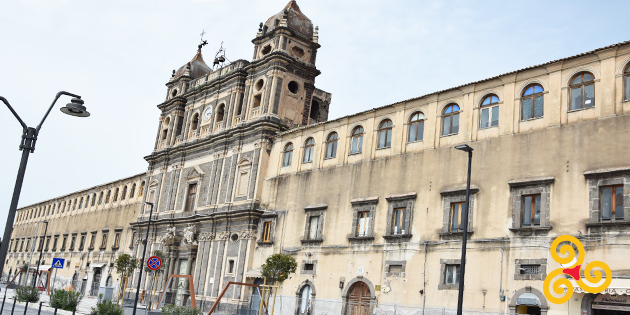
75,108
464,147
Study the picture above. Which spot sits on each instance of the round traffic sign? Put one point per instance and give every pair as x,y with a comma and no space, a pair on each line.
154,263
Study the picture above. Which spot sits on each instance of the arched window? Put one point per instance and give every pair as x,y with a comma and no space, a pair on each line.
385,134
87,201
626,79
74,204
63,208
93,200
582,93
450,120
532,102
416,127
115,197
220,113
123,194
489,114
133,190
287,154
305,297
81,203
195,122
141,192
309,146
100,198
331,145
356,145
314,110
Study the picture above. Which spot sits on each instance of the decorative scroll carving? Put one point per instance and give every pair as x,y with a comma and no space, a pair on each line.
248,235
206,237
223,235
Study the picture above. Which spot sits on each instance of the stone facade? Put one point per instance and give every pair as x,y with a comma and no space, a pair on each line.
368,204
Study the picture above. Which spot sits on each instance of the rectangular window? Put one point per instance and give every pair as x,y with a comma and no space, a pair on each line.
231,266
47,243
399,220
529,269
395,269
41,244
364,224
28,244
612,203
73,241
531,210
456,217
190,200
92,240
116,240
312,228
309,267
266,232
357,144
452,274
54,248
489,117
82,244
104,241
63,242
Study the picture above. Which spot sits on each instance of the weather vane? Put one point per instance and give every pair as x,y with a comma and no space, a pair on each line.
202,41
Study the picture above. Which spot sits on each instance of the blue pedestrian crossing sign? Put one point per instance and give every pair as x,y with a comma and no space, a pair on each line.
58,263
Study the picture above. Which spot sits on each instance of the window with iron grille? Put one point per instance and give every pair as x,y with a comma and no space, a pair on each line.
530,269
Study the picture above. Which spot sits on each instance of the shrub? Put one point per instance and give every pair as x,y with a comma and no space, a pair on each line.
65,300
106,307
180,310
27,294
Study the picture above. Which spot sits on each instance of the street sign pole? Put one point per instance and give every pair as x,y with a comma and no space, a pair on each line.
54,278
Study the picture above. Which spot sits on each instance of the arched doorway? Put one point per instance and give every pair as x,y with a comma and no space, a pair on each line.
255,306
359,298
96,282
108,282
304,304
528,301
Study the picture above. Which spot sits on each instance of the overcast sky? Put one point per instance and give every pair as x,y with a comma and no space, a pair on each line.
119,54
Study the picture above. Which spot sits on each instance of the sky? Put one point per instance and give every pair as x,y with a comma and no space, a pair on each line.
118,55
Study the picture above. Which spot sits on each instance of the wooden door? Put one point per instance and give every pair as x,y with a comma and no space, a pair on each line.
358,299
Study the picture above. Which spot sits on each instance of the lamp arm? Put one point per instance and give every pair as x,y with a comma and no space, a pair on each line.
53,104
4,100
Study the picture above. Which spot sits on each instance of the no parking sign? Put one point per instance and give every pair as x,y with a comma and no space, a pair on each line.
154,263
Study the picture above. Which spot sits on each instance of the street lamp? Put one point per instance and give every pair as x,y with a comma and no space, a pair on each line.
27,146
41,249
462,264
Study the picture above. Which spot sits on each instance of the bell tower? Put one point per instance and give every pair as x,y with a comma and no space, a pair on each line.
285,50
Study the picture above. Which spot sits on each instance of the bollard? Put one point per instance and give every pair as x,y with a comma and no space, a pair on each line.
74,310
55,311
40,308
25,307
12,309
3,299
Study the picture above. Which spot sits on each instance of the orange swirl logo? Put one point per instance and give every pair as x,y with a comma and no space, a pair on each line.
591,276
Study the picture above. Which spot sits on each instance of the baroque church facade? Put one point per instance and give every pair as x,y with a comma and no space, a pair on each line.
246,164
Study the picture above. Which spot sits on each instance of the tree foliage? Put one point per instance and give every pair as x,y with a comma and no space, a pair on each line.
126,264
278,267
27,294
65,300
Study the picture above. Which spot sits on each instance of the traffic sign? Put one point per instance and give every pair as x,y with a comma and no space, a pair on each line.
154,263
58,263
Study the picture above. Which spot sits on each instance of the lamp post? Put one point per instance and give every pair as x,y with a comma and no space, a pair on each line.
27,146
144,251
41,249
462,264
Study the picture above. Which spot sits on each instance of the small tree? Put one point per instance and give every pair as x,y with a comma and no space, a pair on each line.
125,265
278,267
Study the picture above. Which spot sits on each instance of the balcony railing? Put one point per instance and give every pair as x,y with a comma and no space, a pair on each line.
218,125
255,112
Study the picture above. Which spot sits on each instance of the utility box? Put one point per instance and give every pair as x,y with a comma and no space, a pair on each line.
107,292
